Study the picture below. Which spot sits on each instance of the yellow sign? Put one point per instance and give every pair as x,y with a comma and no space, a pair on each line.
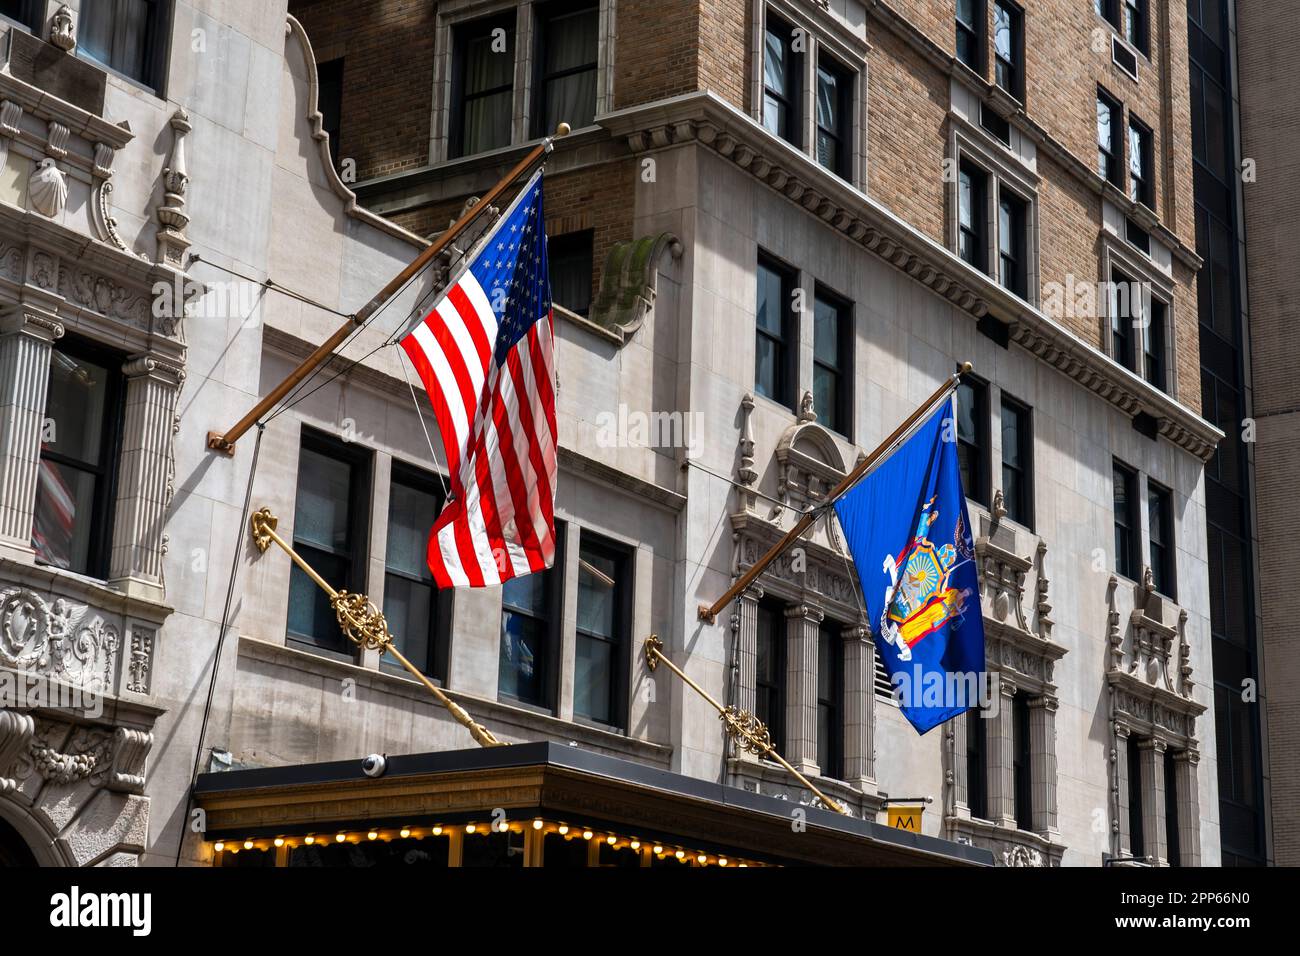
906,817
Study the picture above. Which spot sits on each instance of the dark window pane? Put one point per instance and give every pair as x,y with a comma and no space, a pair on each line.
321,513
122,34
483,85
569,63
1137,839
65,505
569,260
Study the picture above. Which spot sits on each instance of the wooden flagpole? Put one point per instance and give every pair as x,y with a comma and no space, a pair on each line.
709,613
225,442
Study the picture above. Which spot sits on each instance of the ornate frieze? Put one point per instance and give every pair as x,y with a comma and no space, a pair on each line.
60,639
62,754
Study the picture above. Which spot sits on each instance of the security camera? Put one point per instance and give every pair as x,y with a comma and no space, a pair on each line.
374,765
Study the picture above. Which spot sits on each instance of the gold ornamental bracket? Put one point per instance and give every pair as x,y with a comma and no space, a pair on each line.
361,622
748,731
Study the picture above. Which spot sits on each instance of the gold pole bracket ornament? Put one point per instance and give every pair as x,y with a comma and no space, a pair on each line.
361,622
750,732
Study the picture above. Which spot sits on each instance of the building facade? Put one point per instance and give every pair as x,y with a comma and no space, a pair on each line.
775,227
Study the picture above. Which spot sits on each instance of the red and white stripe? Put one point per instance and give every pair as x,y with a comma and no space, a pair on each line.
499,434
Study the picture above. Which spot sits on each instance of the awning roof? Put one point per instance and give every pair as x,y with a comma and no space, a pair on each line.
561,782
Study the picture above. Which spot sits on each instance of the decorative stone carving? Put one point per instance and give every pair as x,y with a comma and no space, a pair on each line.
47,190
746,472
101,294
61,640
1043,606
57,140
130,750
629,282
10,115
809,465
806,411
62,34
15,737
87,757
172,217
1022,856
142,644
999,507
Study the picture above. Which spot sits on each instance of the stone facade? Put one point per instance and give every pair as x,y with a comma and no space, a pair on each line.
226,184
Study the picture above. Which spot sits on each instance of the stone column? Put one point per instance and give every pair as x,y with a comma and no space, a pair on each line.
1189,807
859,705
802,624
1152,758
144,470
1001,757
955,740
747,647
1042,762
25,344
1120,824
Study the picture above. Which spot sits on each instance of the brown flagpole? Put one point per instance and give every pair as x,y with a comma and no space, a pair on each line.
217,441
709,613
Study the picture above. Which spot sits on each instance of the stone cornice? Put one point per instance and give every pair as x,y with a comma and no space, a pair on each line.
704,119
1013,110
52,109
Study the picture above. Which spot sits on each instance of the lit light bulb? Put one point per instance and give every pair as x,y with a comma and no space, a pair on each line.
372,835
437,831
681,854
469,828
309,839
587,834
219,846
279,841
611,839
341,837
636,844
701,859
537,824
722,861
248,844
563,829
405,832
659,851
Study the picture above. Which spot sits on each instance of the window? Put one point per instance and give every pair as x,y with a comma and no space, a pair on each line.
977,779
1022,782
569,258
75,484
600,658
1137,237
482,85
1136,838
1125,316
995,125
530,629
418,612
769,671
566,60
1008,47
972,187
834,117
1017,462
782,69
1139,163
1160,522
830,697
972,438
127,36
832,362
331,519
1154,358
1013,270
1126,521
1134,23
329,100
29,13
776,339
1173,851
970,34
1108,156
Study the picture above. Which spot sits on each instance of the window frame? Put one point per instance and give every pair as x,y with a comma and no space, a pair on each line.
1136,800
624,559
1154,344
1022,783
573,245
543,14
462,33
553,630
831,632
1020,241
440,602
793,98
1022,511
979,232
977,767
157,46
787,346
1141,187
982,463
1016,65
847,79
975,34
360,461
774,611
1110,155
1129,566
99,551
30,19
1164,571
842,420
1124,347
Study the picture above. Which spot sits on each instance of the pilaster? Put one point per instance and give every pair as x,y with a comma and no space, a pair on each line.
1152,762
1001,757
802,624
1042,762
859,707
26,340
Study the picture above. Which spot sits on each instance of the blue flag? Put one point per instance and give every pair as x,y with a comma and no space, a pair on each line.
909,534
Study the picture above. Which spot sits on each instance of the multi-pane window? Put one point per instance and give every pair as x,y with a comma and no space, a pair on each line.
569,258
1140,188
972,438
834,116
970,34
782,68
1134,22
1136,837
1008,47
1013,271
530,632
832,362
329,100
1154,345
1127,528
977,779
1022,782
127,36
74,488
1109,155
600,656
1125,316
769,671
972,225
566,62
1160,522
1017,462
482,85
417,611
330,522
830,700
776,328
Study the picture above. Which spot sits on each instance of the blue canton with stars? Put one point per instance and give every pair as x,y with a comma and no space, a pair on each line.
511,268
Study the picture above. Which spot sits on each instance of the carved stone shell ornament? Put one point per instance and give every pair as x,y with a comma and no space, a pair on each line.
47,189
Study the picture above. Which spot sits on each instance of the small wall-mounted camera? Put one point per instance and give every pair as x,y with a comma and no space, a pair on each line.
374,765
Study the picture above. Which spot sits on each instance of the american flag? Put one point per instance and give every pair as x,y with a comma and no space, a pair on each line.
486,355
